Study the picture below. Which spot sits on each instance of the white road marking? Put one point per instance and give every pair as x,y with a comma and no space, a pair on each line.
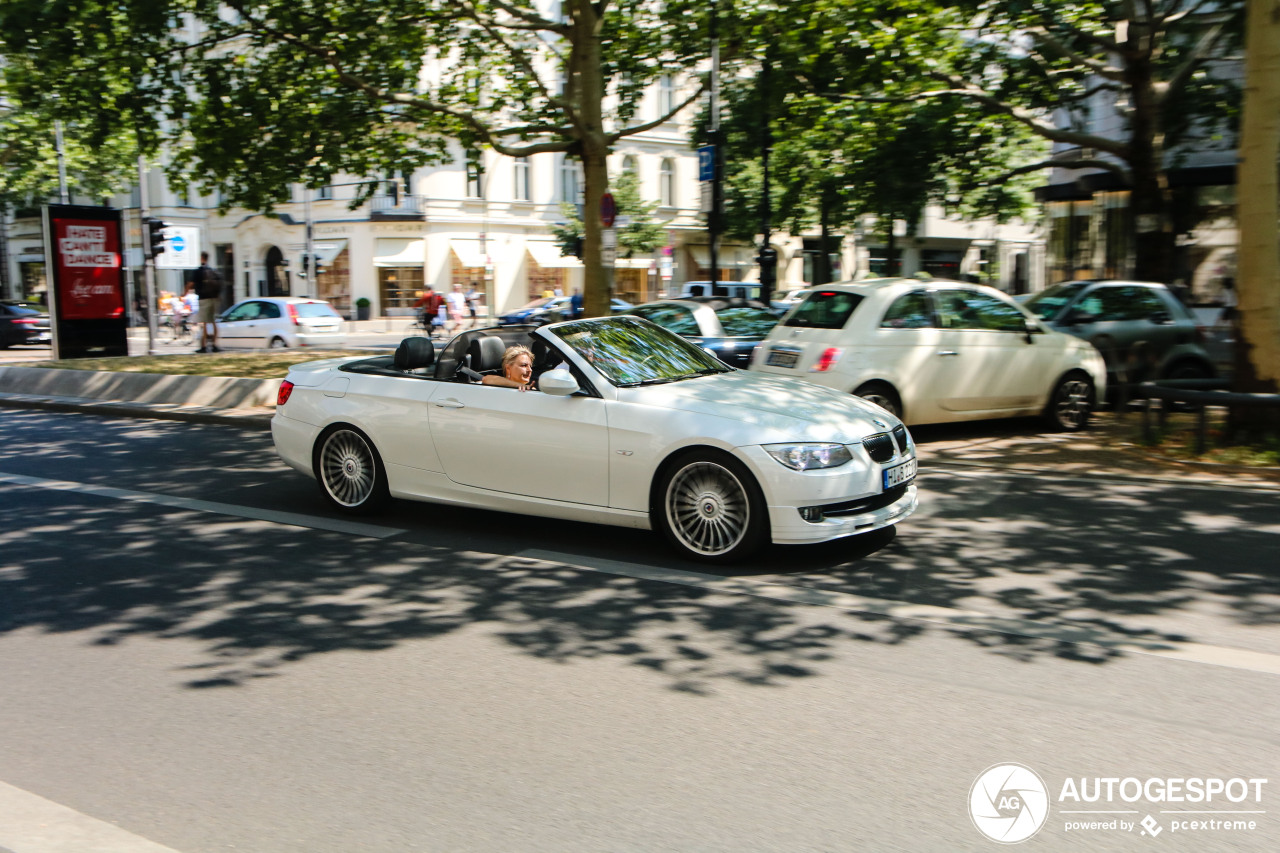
948,617
292,519
32,824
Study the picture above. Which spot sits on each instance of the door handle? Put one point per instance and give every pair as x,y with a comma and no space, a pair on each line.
946,352
450,404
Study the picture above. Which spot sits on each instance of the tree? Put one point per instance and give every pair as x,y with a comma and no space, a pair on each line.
1047,65
284,91
848,139
640,232
1258,210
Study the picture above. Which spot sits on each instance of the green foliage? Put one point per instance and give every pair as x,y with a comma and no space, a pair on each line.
641,233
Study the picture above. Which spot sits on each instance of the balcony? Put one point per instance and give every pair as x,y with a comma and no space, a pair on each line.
411,208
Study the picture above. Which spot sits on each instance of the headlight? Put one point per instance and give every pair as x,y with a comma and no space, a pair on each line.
803,457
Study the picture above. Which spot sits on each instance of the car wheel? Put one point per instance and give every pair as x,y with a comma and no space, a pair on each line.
882,395
278,343
1071,403
709,507
349,470
1187,370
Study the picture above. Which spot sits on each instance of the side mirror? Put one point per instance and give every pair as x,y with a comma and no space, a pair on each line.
558,383
1161,318
1077,317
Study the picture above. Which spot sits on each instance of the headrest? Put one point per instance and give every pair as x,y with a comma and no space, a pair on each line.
486,353
415,352
544,355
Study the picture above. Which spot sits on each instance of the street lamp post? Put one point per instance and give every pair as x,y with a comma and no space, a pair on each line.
768,257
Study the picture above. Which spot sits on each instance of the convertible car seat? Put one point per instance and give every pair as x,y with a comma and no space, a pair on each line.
485,355
545,356
414,353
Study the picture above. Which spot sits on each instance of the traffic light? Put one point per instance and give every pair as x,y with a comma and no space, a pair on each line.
319,267
306,265
155,236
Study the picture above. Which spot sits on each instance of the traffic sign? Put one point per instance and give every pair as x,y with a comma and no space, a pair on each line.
707,163
608,210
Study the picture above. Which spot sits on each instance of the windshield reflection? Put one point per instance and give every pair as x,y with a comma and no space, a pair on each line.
630,351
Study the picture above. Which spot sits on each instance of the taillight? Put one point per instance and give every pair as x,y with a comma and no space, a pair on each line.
26,321
293,314
827,360
282,396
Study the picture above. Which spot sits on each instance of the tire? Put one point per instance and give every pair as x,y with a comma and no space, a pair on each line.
1071,403
349,470
709,507
883,395
278,343
1187,370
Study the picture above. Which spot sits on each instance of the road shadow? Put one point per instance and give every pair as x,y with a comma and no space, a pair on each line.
1109,558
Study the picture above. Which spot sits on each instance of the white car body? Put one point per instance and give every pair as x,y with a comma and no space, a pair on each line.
932,368
280,321
596,454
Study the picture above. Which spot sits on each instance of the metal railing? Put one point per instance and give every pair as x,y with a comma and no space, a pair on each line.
1200,394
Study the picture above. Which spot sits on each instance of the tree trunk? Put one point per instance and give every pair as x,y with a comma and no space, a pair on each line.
822,269
1257,358
1153,238
587,85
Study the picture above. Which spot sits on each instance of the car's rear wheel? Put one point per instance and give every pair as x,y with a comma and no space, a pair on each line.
882,395
278,343
709,506
1071,403
349,470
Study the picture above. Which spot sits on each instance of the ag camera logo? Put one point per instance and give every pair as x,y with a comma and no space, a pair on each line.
1008,803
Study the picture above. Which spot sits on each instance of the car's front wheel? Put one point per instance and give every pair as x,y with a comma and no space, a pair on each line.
709,506
349,470
1071,403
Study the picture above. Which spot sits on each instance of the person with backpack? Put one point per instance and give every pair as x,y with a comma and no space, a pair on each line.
208,286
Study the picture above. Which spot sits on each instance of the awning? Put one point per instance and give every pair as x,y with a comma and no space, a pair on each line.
399,252
547,255
469,254
327,250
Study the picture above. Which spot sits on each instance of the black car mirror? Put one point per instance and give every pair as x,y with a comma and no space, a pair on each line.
1079,317
1161,318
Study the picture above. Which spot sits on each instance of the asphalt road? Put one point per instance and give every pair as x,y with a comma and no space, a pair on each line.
196,653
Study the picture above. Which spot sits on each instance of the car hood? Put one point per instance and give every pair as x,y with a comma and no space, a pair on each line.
777,409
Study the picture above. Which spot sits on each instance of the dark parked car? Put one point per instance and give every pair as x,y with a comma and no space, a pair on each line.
727,328
1141,328
23,323
550,309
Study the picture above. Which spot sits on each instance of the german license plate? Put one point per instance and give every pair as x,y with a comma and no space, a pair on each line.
900,475
782,358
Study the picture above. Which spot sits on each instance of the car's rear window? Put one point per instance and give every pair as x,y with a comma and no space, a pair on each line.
745,322
315,309
824,309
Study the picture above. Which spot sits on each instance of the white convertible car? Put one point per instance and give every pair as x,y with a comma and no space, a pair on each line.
632,426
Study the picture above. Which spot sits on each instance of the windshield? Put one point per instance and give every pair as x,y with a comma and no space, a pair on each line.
1047,303
630,351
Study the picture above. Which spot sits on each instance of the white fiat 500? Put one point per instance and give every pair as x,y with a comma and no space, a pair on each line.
631,425
935,351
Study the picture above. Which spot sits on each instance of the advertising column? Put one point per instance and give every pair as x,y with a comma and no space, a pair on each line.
86,293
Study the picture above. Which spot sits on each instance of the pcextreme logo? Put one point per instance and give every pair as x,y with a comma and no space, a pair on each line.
1009,803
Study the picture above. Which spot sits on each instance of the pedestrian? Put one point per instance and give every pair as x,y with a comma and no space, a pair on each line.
208,287
457,306
473,298
1229,302
575,303
430,305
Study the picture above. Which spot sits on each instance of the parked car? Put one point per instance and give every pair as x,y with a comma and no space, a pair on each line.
730,289
727,328
1141,328
634,426
782,300
280,321
23,323
550,309
935,351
